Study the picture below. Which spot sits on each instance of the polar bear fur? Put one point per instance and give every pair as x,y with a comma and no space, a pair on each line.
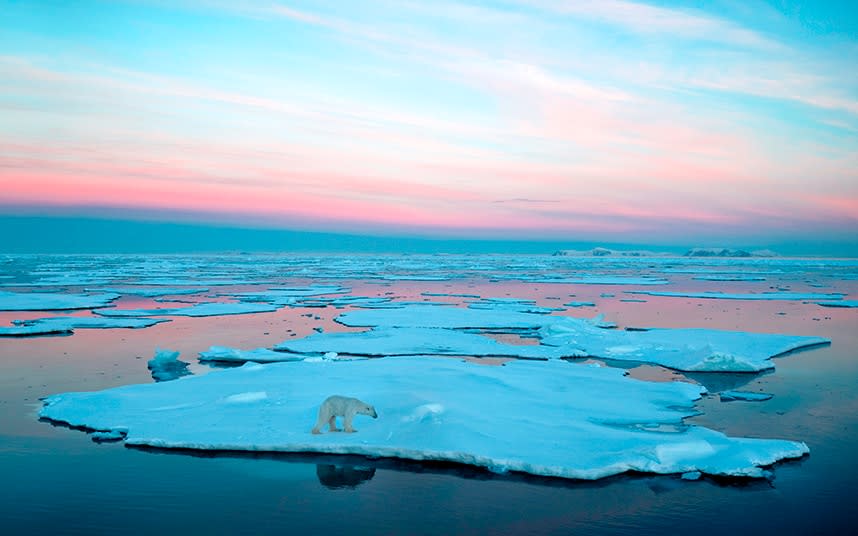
345,407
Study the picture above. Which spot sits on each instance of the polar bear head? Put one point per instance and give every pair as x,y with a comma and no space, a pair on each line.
367,409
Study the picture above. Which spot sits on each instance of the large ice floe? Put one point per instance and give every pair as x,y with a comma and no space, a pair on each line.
67,324
50,301
552,418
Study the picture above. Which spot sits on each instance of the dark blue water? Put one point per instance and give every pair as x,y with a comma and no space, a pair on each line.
57,481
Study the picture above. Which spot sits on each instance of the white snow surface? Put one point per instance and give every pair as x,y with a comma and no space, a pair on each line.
50,301
554,418
67,324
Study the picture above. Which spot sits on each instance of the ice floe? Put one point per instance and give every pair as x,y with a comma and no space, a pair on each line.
150,292
552,419
50,301
843,303
691,349
796,296
67,324
728,396
166,366
419,341
605,280
728,277
198,309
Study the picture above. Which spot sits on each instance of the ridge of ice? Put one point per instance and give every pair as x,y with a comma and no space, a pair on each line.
798,296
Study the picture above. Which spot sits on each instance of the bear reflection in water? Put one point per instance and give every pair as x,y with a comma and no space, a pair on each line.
343,476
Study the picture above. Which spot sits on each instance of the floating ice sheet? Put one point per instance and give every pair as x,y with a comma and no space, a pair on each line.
199,309
727,277
553,419
419,341
693,350
604,280
49,301
842,303
797,296
67,324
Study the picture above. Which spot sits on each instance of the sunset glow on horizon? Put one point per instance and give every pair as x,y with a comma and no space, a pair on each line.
590,120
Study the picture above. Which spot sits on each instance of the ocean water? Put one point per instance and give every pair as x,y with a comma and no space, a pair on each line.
58,481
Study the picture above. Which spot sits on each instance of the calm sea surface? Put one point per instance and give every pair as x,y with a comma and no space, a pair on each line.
57,481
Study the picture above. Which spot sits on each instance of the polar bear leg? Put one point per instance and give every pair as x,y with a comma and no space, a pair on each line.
347,421
332,422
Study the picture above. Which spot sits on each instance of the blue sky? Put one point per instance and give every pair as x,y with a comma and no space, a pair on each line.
612,121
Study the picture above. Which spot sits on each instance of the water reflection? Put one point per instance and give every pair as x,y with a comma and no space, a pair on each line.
343,476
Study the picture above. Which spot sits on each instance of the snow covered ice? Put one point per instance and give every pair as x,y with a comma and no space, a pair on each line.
67,324
551,418
49,301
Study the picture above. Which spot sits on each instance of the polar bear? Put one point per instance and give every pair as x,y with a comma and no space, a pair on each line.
341,406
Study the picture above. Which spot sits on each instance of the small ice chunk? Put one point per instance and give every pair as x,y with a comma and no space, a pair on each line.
692,475
728,396
165,366
106,436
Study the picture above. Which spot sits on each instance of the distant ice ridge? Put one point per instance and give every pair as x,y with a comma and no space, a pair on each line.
166,366
795,296
553,419
67,324
49,301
